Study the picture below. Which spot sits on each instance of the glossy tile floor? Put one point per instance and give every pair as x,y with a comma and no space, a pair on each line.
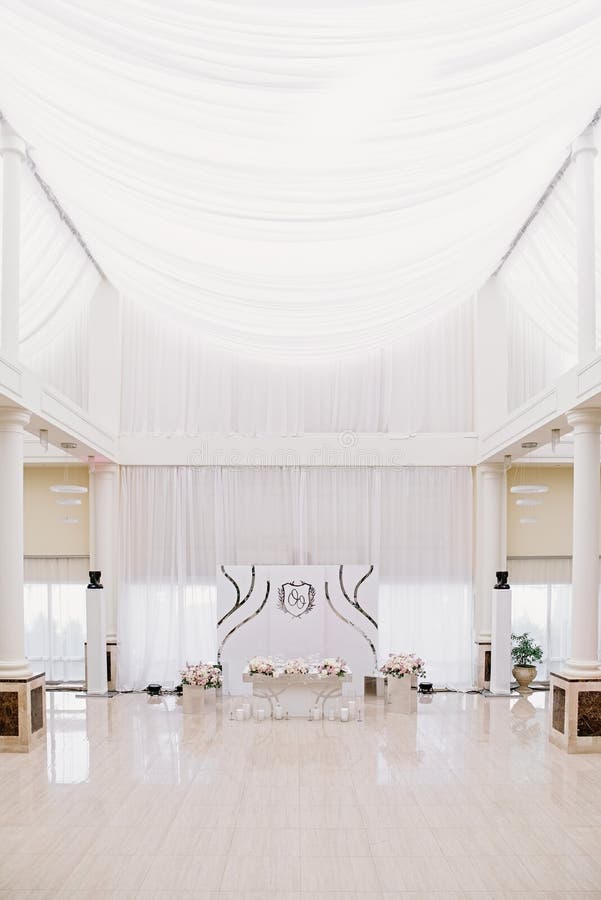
465,799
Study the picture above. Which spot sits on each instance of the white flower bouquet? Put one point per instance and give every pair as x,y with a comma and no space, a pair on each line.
260,665
296,667
399,664
333,665
206,675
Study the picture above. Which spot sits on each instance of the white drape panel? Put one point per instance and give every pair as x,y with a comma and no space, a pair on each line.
62,362
178,524
176,383
296,176
55,615
57,283
539,284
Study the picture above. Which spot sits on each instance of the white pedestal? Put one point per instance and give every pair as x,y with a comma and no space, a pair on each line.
96,634
500,666
194,699
400,698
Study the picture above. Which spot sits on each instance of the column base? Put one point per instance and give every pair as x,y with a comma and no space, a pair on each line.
483,664
22,713
111,665
575,717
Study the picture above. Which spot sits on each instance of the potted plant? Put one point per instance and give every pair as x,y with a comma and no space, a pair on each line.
524,653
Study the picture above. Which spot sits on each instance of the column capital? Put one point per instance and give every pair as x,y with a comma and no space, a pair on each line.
489,469
10,141
584,418
13,418
106,468
585,143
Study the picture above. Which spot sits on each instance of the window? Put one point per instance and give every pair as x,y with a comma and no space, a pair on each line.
55,616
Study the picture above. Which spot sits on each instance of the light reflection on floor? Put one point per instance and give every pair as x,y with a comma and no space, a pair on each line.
465,799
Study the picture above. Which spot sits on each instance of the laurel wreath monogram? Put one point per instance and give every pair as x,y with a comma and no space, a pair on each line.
297,603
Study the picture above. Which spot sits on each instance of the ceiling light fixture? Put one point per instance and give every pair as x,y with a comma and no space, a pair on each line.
73,502
529,489
530,501
65,488
529,445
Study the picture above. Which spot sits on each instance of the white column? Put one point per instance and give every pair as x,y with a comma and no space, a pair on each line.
12,625
491,554
586,424
103,551
583,154
12,149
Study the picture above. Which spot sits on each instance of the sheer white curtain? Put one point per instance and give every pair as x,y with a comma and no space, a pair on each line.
178,524
167,588
55,615
419,383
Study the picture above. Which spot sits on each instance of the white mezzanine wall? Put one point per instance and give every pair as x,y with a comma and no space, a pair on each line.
179,524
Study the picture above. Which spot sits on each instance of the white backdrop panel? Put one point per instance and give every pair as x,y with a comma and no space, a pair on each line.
338,617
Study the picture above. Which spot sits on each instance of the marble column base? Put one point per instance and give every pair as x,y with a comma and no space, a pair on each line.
112,655
483,665
22,713
575,717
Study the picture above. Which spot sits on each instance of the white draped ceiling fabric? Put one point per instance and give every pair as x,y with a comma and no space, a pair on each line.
299,178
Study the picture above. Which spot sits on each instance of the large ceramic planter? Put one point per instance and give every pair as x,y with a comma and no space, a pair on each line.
399,696
524,675
194,699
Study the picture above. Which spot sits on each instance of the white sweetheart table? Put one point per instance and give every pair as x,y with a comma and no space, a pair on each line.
297,694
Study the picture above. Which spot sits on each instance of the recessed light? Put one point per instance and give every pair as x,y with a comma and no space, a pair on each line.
529,445
68,445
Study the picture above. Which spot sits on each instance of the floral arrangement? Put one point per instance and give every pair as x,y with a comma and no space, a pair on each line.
260,665
296,667
333,665
400,664
206,675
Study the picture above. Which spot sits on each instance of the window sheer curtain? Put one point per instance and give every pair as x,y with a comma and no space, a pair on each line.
541,605
179,524
55,615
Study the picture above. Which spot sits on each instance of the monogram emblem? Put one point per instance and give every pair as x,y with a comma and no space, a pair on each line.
296,598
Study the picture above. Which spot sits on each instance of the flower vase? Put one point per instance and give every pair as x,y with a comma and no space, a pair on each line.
194,699
399,696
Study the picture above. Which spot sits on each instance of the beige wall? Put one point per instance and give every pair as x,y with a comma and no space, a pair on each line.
45,532
552,533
